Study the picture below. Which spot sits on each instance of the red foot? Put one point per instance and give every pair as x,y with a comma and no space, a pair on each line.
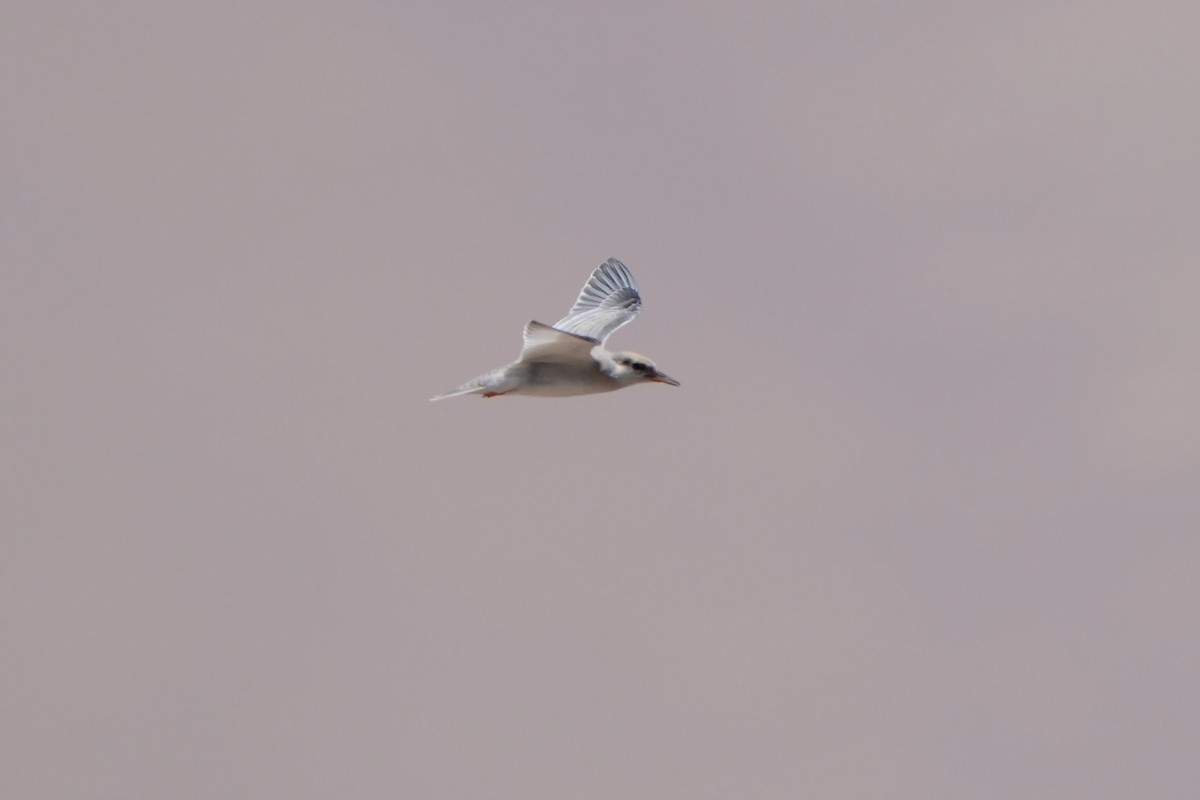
496,394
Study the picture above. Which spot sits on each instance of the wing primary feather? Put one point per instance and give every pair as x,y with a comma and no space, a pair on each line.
608,300
607,279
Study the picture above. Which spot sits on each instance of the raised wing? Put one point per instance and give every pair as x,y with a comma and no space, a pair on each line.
609,300
543,343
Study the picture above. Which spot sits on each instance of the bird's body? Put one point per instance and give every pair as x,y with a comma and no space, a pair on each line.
569,358
541,379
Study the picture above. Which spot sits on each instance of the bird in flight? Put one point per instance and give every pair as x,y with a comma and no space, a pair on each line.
569,358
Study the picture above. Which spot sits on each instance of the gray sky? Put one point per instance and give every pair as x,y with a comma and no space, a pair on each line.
920,523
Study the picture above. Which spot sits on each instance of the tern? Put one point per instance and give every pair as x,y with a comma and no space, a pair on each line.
568,358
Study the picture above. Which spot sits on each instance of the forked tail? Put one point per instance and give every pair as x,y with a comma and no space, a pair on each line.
486,382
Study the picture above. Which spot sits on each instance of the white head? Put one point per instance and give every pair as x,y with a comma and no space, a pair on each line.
630,368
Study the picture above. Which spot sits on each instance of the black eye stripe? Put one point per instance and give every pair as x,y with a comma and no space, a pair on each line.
640,367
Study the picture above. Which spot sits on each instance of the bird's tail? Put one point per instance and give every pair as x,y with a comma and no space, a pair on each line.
483,383
464,389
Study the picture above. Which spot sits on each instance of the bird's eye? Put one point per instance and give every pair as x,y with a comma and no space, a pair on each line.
639,366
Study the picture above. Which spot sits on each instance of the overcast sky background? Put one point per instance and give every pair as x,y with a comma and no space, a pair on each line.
922,521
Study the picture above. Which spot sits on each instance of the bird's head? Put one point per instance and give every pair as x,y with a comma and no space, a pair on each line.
632,368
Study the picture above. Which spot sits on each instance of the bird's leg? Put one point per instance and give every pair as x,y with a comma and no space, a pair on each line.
495,394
